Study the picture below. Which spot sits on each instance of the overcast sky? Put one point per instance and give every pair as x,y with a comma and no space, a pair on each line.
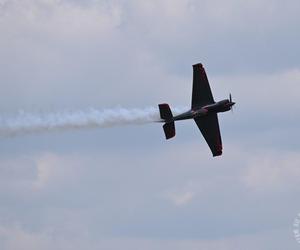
126,187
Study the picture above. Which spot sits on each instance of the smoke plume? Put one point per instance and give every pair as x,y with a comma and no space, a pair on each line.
26,123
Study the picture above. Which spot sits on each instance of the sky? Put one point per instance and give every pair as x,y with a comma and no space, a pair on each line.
126,187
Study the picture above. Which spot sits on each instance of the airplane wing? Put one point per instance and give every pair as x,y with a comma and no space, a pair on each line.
209,127
201,94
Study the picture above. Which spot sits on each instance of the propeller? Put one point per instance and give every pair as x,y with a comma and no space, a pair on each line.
230,99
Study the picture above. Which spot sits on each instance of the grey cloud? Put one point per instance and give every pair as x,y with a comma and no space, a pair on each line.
127,187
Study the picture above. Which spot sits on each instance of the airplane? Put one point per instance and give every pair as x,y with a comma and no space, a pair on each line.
203,110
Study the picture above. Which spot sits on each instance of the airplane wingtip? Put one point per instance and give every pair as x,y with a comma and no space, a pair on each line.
198,65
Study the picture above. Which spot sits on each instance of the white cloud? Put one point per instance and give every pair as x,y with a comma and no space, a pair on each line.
181,199
47,167
273,172
275,93
40,171
73,190
17,238
57,19
84,190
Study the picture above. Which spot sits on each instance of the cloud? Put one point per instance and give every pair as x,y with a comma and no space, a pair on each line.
58,19
71,191
45,41
48,166
127,187
74,55
274,93
18,238
271,172
181,199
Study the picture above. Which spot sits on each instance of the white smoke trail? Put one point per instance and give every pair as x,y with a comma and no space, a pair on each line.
26,123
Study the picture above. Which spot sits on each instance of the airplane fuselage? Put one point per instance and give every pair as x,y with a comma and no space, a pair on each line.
217,107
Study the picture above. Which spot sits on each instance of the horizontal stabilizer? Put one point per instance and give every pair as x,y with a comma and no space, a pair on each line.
169,129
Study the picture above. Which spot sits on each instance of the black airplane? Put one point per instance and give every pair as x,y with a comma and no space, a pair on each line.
204,111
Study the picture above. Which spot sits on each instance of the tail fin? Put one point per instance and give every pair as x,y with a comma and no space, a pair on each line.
165,112
167,116
169,129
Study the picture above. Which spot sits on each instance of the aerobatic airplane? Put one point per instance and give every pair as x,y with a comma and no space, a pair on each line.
204,111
